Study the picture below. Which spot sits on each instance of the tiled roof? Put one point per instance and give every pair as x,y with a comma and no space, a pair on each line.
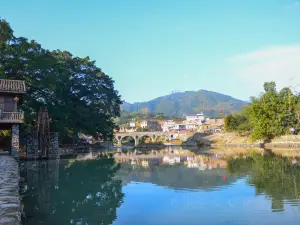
12,86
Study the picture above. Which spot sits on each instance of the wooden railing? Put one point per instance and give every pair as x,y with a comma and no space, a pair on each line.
11,117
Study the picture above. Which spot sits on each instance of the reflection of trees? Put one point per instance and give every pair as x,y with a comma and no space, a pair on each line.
274,176
175,176
84,192
240,165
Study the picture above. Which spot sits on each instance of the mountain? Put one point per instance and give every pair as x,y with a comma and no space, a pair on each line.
189,102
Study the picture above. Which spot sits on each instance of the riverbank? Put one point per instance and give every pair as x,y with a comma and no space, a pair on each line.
231,140
156,146
10,204
198,140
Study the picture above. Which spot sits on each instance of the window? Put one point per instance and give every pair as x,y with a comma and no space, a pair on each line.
9,104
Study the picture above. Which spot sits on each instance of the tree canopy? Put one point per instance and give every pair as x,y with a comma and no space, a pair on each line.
270,115
236,122
79,96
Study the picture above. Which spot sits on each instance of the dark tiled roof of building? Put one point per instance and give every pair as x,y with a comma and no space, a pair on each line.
12,86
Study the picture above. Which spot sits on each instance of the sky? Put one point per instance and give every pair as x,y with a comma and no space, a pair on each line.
154,47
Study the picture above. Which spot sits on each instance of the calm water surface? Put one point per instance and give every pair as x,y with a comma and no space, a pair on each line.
161,188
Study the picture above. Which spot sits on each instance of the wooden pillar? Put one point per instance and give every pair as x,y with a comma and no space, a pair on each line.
15,147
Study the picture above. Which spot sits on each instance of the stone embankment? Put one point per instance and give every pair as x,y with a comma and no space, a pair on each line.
235,141
10,204
237,145
84,148
284,142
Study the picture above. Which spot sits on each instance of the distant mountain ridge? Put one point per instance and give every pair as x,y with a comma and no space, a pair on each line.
189,102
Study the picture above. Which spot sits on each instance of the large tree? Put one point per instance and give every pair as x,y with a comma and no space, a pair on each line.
273,113
238,121
78,95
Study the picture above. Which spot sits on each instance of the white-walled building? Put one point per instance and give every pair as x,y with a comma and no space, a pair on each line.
144,124
126,129
198,118
168,125
179,127
132,124
190,126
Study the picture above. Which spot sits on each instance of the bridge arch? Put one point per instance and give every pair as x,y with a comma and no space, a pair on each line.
167,137
133,138
128,138
145,136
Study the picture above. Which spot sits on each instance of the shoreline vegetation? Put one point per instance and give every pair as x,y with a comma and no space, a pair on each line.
272,114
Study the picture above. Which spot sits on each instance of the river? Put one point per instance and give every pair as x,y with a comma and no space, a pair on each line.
167,187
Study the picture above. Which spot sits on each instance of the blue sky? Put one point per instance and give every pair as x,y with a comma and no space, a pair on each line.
154,47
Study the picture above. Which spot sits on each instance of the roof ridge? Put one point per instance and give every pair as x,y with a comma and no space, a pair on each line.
12,86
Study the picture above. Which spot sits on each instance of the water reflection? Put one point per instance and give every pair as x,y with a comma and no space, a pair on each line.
276,177
175,170
141,187
83,193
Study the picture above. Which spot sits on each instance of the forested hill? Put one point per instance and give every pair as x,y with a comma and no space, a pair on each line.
189,102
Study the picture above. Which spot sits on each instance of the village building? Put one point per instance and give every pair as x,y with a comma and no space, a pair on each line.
138,124
179,127
125,128
198,118
132,124
191,126
11,116
151,125
167,125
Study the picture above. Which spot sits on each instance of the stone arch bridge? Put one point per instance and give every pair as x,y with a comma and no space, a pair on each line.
138,135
